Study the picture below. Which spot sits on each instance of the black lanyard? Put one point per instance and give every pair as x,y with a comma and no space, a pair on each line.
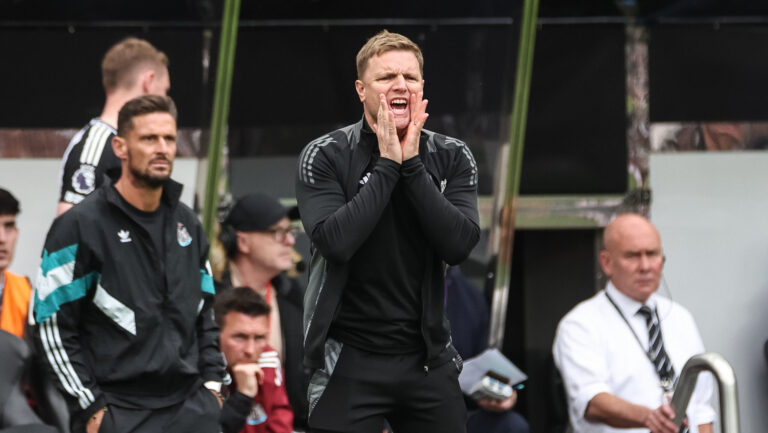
666,385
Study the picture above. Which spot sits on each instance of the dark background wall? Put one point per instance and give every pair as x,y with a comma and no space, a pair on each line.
294,83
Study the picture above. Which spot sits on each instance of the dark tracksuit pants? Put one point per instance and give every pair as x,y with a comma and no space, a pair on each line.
199,413
358,390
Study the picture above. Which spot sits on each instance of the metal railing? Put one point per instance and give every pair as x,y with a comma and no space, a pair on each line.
726,385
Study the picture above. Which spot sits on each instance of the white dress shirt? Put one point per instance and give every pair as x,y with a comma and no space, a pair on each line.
595,351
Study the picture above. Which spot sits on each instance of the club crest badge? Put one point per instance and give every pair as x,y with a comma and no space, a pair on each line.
182,235
84,179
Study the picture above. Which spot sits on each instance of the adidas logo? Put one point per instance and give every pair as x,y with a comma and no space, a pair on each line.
365,178
124,235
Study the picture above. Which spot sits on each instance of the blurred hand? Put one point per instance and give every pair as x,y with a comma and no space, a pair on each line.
493,405
95,422
389,144
410,142
248,377
660,420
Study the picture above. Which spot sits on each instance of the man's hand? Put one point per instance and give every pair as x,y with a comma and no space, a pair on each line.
95,422
617,412
410,142
660,420
389,144
248,377
493,405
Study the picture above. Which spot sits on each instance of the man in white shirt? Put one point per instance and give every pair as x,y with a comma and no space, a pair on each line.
619,363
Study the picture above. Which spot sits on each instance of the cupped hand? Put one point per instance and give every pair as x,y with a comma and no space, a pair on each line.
389,144
410,142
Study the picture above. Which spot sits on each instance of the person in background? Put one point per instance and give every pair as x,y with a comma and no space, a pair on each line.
256,401
15,290
130,68
467,310
620,352
258,239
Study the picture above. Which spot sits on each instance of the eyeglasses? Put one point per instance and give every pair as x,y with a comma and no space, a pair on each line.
280,234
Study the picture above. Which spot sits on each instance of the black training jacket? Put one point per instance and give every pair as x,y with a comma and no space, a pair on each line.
118,322
442,185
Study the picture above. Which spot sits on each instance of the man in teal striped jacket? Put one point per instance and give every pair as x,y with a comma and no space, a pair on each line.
123,299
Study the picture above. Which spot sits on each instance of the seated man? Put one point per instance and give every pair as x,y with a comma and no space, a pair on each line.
258,239
15,290
468,313
16,356
256,399
621,351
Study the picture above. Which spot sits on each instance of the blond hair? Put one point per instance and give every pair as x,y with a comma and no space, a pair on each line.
385,41
118,69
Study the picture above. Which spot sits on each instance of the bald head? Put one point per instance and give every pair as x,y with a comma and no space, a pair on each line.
632,257
624,226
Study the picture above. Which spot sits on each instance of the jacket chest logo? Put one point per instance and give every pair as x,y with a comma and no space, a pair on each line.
124,236
182,235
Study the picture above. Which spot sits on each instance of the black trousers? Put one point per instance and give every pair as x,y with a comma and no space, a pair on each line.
358,390
199,413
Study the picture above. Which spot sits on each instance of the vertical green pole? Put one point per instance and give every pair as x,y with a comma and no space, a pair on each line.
512,188
220,116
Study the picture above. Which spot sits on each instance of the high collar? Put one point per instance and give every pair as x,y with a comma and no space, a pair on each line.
96,120
368,139
627,305
366,128
171,194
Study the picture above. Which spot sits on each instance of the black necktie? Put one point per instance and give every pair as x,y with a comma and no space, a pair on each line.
656,346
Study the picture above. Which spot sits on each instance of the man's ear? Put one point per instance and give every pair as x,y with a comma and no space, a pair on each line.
146,79
242,244
605,262
120,147
360,88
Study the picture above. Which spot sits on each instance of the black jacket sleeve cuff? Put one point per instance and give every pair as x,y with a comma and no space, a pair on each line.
80,419
388,164
411,166
233,413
